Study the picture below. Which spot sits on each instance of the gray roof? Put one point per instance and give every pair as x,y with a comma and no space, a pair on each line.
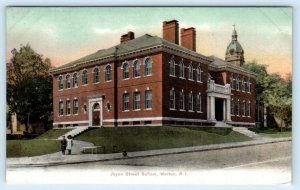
218,62
129,46
234,46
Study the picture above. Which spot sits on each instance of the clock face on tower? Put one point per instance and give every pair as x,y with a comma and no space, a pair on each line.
231,52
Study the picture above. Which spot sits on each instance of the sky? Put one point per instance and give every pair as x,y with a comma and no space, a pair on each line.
64,34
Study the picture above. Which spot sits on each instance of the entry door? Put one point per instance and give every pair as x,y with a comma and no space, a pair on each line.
96,118
219,109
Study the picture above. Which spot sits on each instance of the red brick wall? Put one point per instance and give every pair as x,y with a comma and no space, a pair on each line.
178,84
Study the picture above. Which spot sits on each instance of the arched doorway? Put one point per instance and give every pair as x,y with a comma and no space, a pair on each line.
96,115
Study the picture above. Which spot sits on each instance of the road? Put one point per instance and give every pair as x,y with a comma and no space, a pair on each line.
261,164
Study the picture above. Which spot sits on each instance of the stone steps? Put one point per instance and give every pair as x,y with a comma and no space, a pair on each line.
246,132
74,132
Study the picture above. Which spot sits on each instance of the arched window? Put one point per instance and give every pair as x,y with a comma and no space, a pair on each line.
108,73
75,80
181,69
84,77
68,107
237,82
148,66
199,103
126,101
191,72
96,75
181,100
148,99
191,102
199,73
60,83
125,68
172,67
136,68
172,99
68,81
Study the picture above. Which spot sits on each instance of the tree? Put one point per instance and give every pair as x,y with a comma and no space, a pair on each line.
29,86
273,92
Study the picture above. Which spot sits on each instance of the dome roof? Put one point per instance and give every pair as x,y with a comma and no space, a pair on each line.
234,47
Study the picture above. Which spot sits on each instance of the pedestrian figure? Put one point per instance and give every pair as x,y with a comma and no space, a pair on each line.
63,144
124,153
69,144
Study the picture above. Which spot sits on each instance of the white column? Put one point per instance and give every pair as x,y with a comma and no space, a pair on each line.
228,109
224,110
212,110
90,113
208,107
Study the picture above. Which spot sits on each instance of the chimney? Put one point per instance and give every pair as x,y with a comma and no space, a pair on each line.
171,31
127,37
188,38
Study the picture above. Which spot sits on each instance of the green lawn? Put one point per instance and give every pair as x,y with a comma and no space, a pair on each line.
274,133
149,137
53,134
20,148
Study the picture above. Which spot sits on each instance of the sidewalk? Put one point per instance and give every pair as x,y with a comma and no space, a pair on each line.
59,159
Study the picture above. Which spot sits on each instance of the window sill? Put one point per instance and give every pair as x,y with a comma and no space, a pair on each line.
108,80
137,77
182,110
191,79
96,82
148,109
172,109
125,110
75,86
199,81
199,112
85,84
181,77
148,75
173,76
137,110
126,79
191,111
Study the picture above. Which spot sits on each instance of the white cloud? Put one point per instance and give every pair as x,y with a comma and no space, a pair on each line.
105,31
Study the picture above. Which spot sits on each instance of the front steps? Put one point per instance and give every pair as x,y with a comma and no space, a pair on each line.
74,132
246,132
222,124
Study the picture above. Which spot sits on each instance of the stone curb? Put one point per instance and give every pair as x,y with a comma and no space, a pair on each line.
77,159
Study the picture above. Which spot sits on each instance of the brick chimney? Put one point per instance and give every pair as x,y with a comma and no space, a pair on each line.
127,37
171,31
188,38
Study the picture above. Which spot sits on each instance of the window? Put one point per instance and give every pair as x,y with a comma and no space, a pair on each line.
85,108
172,67
108,73
136,100
61,108
243,108
231,81
136,68
172,99
237,108
181,69
75,106
249,108
249,85
148,66
84,77
125,68
237,83
60,83
243,84
75,80
199,102
125,102
191,73
96,75
181,100
148,99
199,74
232,107
68,107
191,103
68,81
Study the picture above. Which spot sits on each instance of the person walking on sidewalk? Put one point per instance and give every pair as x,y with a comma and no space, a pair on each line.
69,144
63,145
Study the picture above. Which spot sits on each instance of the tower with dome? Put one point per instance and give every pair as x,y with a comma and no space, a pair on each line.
234,51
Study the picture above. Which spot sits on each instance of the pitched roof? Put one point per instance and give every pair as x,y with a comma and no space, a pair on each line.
129,46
